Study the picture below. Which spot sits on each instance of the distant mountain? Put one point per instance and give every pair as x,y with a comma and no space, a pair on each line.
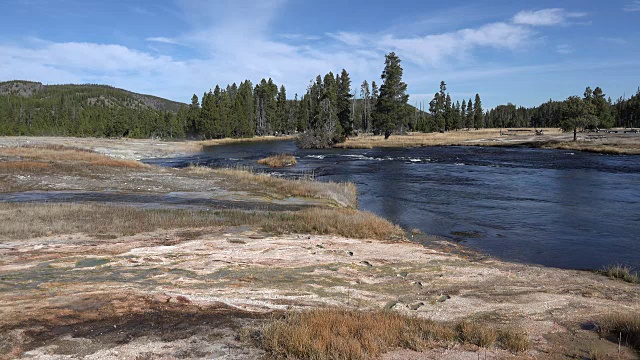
90,93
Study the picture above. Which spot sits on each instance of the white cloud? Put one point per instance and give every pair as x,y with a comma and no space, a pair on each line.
164,40
545,17
564,49
632,7
348,38
436,49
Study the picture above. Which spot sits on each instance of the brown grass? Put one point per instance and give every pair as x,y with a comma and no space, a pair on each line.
21,221
461,137
226,141
346,222
23,165
349,334
626,324
278,161
477,334
66,154
514,340
343,194
613,149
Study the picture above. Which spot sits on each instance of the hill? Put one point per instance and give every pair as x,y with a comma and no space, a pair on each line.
31,108
89,92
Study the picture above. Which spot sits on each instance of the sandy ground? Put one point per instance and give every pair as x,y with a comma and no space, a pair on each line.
191,293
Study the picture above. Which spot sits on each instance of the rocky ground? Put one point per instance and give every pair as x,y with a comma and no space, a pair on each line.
195,292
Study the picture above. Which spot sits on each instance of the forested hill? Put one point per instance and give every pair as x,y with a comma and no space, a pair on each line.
31,108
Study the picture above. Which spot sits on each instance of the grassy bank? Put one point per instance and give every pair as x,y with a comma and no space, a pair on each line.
552,139
227,141
22,221
461,137
351,334
343,194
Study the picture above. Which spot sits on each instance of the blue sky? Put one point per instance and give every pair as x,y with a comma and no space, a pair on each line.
519,52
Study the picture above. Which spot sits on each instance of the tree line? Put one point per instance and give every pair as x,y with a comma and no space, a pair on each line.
328,112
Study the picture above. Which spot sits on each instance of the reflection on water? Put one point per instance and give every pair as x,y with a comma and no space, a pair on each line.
551,207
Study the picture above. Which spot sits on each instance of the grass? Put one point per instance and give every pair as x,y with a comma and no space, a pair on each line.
626,324
477,334
65,154
343,194
23,166
461,137
613,149
278,161
226,141
621,272
334,333
22,221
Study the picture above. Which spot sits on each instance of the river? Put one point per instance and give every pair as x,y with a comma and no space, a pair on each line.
555,208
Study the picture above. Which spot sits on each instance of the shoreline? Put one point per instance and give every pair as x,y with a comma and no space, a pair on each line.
617,143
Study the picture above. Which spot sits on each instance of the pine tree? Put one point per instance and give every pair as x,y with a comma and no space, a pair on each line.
478,114
344,103
463,114
469,117
602,109
391,109
280,126
365,95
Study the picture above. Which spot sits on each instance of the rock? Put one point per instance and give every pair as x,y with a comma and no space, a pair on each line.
350,253
416,306
443,298
366,263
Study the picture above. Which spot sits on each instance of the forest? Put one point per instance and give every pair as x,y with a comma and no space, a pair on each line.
330,110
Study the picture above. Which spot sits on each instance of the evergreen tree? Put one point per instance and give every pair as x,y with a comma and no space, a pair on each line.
478,114
365,95
282,114
602,109
463,114
578,113
344,105
470,113
391,110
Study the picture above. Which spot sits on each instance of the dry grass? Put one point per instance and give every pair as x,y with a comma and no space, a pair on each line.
514,340
613,149
343,194
21,221
23,165
626,324
66,154
347,334
346,222
344,334
226,141
278,161
625,273
477,334
461,137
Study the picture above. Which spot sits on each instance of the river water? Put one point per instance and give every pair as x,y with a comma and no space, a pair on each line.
551,207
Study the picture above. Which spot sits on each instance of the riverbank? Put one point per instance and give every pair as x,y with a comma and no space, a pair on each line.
132,149
551,138
117,280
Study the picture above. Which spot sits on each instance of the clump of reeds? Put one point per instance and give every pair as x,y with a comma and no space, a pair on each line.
621,272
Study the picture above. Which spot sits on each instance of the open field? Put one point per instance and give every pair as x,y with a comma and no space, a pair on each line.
552,138
253,266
